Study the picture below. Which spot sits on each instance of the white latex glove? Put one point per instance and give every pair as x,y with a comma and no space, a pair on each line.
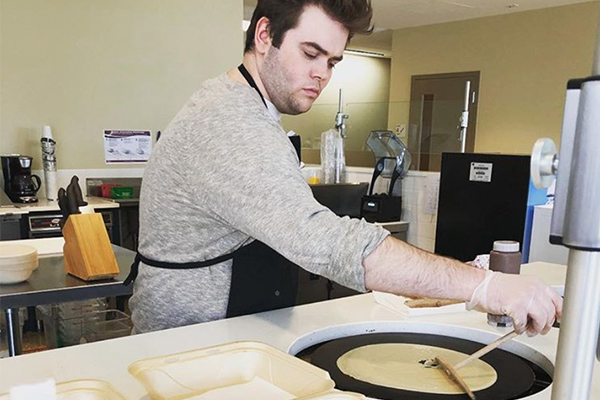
532,305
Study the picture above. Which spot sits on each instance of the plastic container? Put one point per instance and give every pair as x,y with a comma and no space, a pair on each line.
64,323
107,324
84,389
121,192
238,370
106,189
17,262
312,176
333,162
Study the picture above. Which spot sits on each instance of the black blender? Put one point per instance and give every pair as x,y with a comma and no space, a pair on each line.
20,184
392,160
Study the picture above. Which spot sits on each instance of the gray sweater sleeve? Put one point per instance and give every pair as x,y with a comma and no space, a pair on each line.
246,175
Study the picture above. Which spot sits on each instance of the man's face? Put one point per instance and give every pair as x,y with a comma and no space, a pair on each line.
295,74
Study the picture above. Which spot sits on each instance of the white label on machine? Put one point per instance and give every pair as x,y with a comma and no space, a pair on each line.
481,172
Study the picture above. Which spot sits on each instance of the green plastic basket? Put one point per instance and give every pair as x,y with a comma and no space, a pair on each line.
121,192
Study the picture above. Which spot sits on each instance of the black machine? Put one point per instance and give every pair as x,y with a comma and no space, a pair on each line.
483,197
19,184
341,198
392,161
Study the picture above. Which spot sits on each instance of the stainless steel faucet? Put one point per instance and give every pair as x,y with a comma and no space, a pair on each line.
340,125
340,118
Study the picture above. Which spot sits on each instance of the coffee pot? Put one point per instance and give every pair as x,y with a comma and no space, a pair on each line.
20,184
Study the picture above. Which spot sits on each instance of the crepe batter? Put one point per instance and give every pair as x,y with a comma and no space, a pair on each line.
407,367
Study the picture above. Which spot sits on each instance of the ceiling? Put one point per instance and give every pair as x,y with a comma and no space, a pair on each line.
397,14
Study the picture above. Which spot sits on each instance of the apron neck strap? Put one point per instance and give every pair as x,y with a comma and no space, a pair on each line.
251,81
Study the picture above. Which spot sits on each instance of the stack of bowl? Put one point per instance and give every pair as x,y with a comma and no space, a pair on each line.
17,262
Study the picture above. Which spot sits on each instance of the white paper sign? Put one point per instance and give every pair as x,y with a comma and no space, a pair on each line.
122,147
481,172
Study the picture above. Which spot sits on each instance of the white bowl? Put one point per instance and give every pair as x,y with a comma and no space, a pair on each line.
17,262
18,276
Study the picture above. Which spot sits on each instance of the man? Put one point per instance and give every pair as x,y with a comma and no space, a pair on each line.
225,213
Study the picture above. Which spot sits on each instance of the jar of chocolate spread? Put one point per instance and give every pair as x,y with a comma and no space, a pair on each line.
505,257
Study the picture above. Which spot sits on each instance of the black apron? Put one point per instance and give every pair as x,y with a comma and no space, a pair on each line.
261,279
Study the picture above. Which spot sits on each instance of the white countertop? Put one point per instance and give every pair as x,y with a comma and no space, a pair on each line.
52,205
12,210
47,247
109,360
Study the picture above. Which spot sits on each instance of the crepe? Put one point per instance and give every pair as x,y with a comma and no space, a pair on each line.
408,367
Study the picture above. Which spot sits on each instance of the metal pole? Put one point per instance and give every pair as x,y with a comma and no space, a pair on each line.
464,119
340,124
579,328
13,327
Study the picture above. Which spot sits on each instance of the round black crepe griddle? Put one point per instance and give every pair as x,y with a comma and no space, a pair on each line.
515,377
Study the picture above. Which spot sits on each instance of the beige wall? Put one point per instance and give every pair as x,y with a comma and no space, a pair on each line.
525,60
365,83
82,66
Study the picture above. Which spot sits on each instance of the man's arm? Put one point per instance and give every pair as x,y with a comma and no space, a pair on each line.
397,267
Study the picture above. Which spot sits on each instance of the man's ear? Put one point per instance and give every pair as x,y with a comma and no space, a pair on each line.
262,36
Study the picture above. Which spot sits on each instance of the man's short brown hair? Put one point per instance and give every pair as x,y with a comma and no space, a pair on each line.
283,15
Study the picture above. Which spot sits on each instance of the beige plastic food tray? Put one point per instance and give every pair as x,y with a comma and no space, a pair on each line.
85,389
238,370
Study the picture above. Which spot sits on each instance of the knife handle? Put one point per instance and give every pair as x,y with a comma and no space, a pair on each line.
63,205
77,191
72,203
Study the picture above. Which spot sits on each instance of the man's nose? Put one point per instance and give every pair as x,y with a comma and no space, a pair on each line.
321,71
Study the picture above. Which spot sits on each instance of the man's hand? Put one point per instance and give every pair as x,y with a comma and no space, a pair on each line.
532,305
397,267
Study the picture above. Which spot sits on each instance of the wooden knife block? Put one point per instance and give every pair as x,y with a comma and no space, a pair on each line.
88,253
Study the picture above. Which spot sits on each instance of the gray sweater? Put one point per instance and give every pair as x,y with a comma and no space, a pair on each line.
223,174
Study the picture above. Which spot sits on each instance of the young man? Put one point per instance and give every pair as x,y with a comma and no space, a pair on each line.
225,213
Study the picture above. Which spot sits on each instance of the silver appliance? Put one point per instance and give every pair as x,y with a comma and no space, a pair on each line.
576,225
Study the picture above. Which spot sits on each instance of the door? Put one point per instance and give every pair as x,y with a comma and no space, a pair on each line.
437,105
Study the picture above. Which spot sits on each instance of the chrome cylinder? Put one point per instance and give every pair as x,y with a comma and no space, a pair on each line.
579,328
582,218
564,166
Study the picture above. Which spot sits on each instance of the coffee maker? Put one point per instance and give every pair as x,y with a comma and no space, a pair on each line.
19,184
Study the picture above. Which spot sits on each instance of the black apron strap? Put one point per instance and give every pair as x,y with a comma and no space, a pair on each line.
294,139
251,81
133,273
261,278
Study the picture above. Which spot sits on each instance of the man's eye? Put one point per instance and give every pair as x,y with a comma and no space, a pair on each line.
332,65
310,55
